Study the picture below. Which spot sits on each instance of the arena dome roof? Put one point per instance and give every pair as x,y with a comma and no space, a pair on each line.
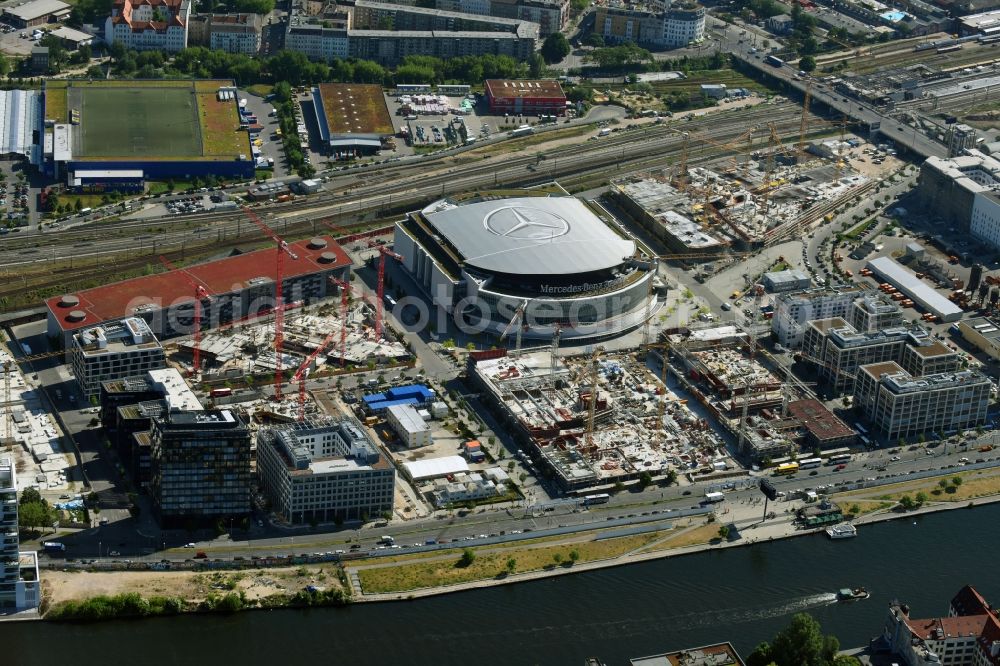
529,235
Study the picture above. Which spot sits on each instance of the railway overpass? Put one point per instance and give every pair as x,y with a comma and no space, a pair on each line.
903,136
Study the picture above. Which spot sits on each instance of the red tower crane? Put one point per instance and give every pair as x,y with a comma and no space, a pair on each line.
279,299
345,289
200,293
383,251
300,374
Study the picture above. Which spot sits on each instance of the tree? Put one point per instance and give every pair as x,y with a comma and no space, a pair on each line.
943,483
671,477
574,556
30,496
801,643
906,503
807,63
921,498
957,481
33,515
557,558
645,478
723,532
468,557
594,39
555,47
511,565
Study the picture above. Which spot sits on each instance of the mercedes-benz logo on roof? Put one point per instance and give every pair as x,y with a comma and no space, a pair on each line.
526,223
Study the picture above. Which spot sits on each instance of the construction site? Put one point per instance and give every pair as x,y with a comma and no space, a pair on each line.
599,419
748,203
29,433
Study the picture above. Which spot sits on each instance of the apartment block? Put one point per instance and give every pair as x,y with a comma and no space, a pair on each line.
112,351
657,25
200,466
900,405
19,582
324,470
232,33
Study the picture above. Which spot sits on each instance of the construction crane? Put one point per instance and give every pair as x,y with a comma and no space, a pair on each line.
661,409
200,293
383,252
279,300
804,121
592,408
300,374
345,289
553,358
682,175
518,321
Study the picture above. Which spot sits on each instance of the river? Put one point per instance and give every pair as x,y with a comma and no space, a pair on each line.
743,595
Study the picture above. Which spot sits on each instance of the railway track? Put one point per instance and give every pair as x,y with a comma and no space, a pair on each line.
129,246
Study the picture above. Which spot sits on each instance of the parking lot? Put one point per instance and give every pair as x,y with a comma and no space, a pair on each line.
18,41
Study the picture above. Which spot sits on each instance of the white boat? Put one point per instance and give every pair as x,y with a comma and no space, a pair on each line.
842,531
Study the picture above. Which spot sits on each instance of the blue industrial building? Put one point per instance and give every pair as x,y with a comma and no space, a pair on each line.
413,394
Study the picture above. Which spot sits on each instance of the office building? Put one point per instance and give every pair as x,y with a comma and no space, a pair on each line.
839,349
113,351
821,427
464,487
200,466
902,406
132,440
969,635
324,470
985,224
521,97
19,583
409,426
792,310
319,35
875,311
142,25
948,187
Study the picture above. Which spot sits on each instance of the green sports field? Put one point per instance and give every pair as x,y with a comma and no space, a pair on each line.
139,122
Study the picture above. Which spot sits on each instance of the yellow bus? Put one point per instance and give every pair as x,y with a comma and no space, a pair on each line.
786,468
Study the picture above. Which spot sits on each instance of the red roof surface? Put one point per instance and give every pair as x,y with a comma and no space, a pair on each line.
966,625
818,420
120,299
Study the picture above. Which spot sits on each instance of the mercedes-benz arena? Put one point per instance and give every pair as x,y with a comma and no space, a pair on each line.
565,261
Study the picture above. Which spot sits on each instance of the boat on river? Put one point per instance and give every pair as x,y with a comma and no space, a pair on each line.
852,594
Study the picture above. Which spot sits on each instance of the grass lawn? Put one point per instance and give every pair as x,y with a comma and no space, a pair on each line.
160,187
260,89
980,483
492,564
137,122
865,506
692,537
219,128
56,107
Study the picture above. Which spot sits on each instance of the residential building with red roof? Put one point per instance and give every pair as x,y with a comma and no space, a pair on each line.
233,288
160,25
968,636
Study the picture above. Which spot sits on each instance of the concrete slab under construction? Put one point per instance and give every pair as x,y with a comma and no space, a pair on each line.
548,404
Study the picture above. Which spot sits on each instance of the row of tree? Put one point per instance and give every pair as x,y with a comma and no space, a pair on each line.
296,69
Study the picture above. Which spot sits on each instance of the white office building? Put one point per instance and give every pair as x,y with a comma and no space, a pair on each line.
19,583
112,351
323,470
466,487
985,223
792,310
407,423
